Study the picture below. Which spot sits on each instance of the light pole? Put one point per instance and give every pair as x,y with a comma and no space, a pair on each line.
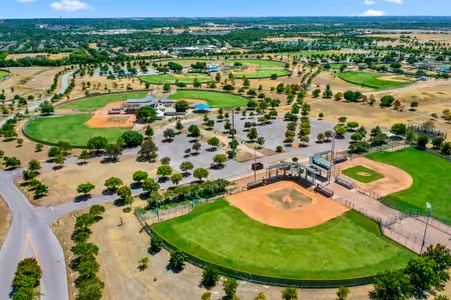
429,207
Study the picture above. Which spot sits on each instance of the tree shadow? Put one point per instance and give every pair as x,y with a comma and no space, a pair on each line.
57,167
174,270
82,198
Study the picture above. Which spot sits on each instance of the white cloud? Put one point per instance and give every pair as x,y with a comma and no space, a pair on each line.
25,1
395,1
70,5
369,2
373,13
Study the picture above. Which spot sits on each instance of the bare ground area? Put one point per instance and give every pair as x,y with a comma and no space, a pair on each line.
5,220
101,118
394,180
258,205
63,183
122,246
98,85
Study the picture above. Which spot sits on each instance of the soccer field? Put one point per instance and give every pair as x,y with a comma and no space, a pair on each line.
185,78
345,247
69,128
431,180
215,99
372,80
94,103
262,63
261,73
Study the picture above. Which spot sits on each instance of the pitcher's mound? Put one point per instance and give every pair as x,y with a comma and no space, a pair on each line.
289,198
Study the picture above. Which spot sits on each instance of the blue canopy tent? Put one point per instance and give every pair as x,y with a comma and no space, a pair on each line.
201,106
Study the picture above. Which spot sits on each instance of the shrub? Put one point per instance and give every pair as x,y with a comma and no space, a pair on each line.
177,260
210,276
156,243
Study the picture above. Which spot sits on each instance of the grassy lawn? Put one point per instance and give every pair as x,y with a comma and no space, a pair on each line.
353,173
370,79
94,103
262,63
431,180
311,53
261,73
346,247
70,129
3,73
185,78
212,98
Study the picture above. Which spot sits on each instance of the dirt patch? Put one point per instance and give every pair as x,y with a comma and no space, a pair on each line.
395,78
102,119
5,220
257,205
289,199
364,174
394,179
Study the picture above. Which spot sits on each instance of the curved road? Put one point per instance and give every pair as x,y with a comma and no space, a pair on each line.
30,235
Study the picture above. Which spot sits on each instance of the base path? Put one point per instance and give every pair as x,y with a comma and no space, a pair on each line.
394,180
258,205
101,118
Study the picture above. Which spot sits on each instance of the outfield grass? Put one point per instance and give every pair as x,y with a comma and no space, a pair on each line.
370,79
94,103
213,98
69,128
431,180
262,63
3,73
311,53
187,78
353,173
261,73
346,247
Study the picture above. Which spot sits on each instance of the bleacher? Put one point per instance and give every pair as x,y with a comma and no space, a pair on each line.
345,182
324,191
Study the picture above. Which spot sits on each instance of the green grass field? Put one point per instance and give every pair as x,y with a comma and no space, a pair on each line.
370,79
69,128
213,98
261,73
353,173
431,180
94,103
262,63
3,73
345,247
311,53
187,78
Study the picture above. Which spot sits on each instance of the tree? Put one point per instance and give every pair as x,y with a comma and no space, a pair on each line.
181,106
441,255
422,274
148,150
186,166
352,125
342,119
177,260
340,131
113,151
84,155
230,286
39,147
328,94
176,178
124,192
113,183
140,176
97,143
164,171
179,126
12,162
357,136
40,190
156,243
146,114
399,129
342,293
196,147
253,134
59,159
85,188
132,139
260,141
260,296
149,132
387,101
64,146
316,93
438,141
220,159
46,108
213,141
143,263
54,151
320,137
391,285
19,142
96,210
34,165
150,185
289,293
206,295
194,131
422,141
210,276
414,105
446,148
166,88
228,88
200,173
338,96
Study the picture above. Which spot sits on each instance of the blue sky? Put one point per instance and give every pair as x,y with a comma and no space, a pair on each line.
198,8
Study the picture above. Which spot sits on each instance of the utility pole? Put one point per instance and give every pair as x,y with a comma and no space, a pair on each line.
233,132
429,207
